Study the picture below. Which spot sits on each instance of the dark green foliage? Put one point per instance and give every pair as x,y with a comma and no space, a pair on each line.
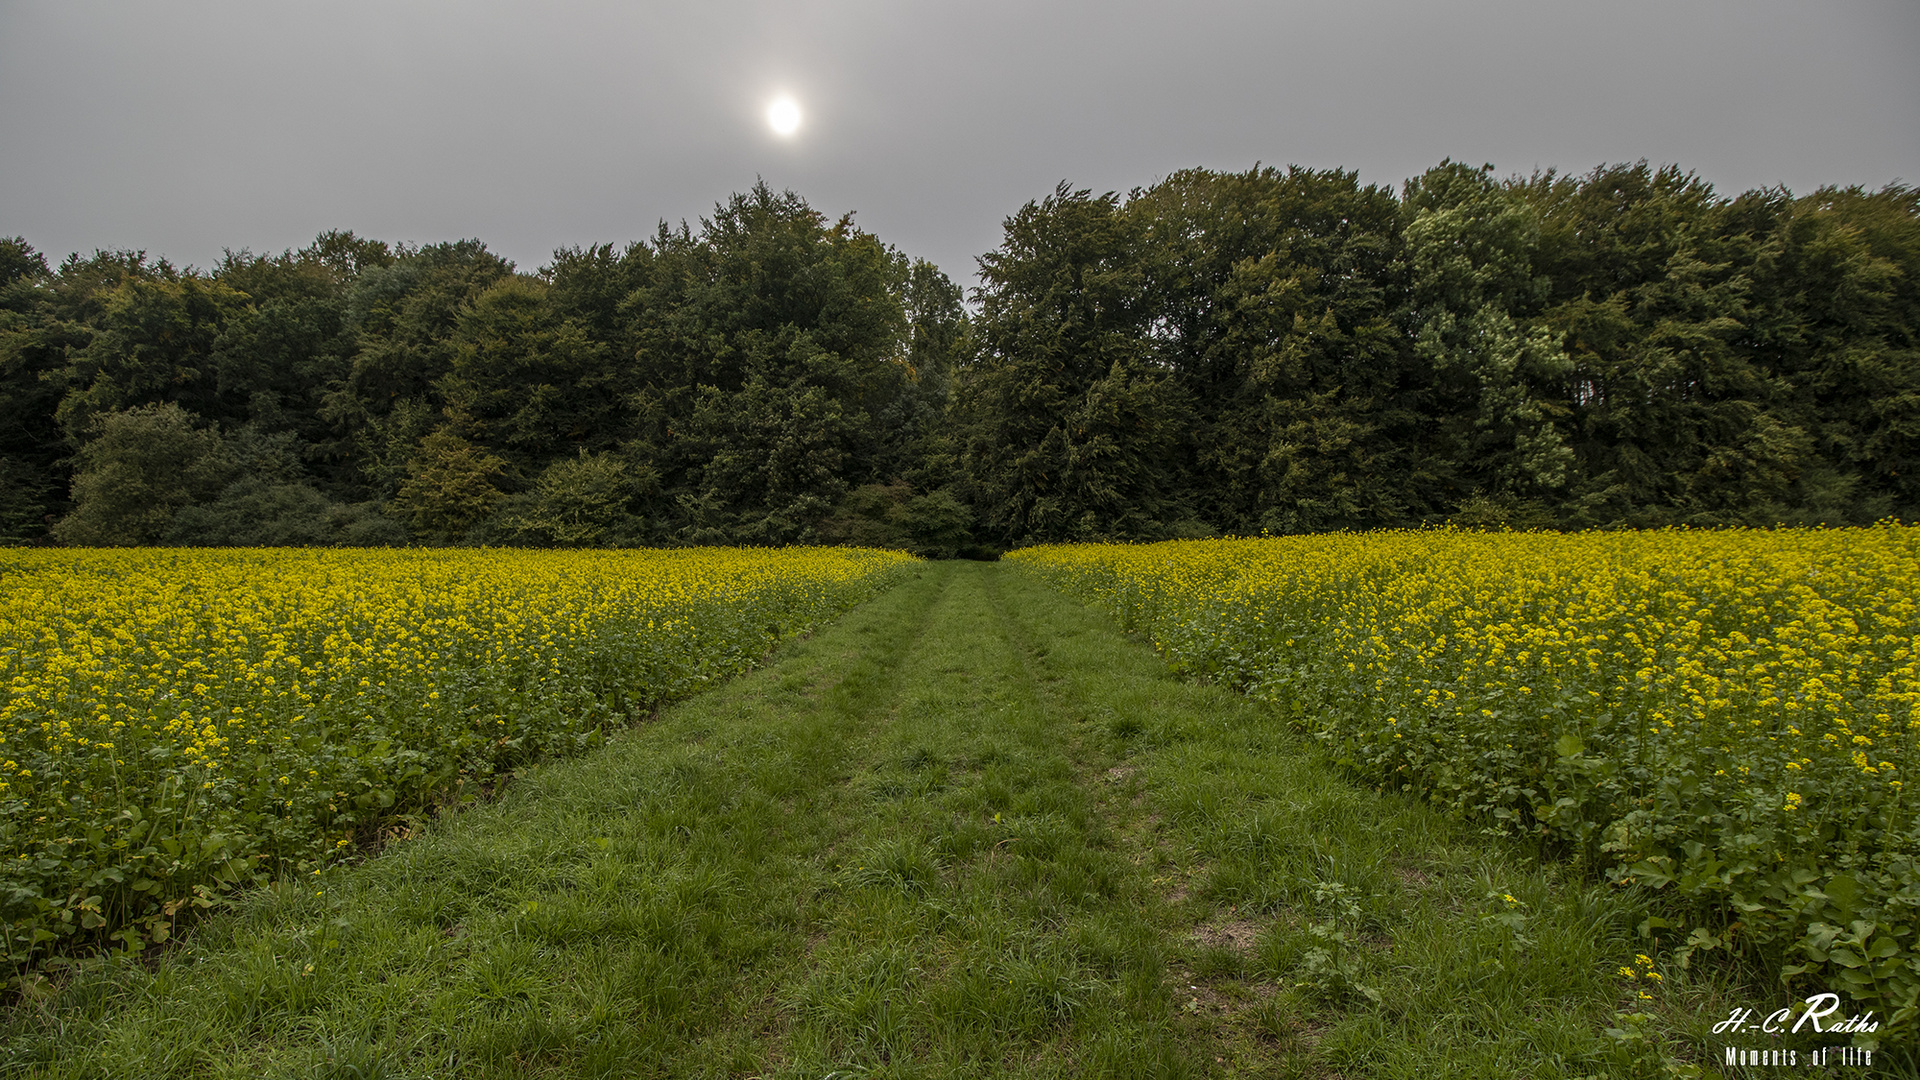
24,496
1272,294
772,351
1494,376
584,501
451,486
1840,325
1623,348
1222,353
401,318
868,517
534,384
934,525
19,260
940,339
152,343
31,478
937,525
261,513
276,357
141,467
1676,417
1074,430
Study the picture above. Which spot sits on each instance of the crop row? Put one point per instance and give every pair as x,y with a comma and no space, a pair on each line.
1729,718
179,722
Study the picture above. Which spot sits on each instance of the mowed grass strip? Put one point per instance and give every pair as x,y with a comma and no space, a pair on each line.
969,830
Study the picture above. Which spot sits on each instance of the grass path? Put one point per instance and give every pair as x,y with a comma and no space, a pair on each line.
970,830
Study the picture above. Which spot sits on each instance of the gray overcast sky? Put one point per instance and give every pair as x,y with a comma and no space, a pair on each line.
191,126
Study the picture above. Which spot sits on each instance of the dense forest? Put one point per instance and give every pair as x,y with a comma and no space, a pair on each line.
1222,353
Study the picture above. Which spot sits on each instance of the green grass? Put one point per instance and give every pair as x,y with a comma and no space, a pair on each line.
969,831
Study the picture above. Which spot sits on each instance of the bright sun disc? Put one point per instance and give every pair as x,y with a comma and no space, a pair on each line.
784,116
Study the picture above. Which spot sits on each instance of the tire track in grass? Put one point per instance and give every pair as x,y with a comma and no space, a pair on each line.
986,923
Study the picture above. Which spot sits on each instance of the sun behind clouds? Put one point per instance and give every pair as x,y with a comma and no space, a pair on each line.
783,116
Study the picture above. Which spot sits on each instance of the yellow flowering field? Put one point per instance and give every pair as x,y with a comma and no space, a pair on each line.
178,721
1727,717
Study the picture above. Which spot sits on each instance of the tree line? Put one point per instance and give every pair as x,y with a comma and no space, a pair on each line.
1221,353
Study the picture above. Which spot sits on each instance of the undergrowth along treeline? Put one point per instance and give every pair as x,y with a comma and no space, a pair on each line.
177,723
1728,718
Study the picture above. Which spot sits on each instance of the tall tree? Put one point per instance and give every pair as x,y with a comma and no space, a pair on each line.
402,317
1271,296
153,342
1497,378
276,357
535,385
1836,317
1076,430
32,479
767,346
1673,417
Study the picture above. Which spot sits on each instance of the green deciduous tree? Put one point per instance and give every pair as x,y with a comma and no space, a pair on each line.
32,481
402,317
583,501
1835,316
1272,294
152,342
1676,414
535,384
1074,428
770,366
450,486
140,468
262,512
1275,349
933,525
1497,377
